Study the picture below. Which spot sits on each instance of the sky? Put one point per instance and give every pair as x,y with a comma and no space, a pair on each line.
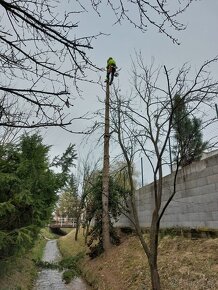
198,43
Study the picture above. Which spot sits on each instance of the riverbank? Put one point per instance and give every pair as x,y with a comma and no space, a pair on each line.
19,272
183,264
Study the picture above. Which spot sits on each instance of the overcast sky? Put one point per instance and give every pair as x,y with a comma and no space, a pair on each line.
199,42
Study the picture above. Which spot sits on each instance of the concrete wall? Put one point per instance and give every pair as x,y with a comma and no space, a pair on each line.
195,203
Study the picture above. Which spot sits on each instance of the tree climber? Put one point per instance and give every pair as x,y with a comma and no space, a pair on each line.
111,70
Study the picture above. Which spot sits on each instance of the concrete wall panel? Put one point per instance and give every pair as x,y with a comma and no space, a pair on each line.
195,203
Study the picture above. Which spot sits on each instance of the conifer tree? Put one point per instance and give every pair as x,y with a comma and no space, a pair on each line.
28,192
188,135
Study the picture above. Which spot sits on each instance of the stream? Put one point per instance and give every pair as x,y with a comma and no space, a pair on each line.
52,279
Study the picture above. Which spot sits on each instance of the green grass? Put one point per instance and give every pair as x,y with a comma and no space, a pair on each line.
47,234
36,252
69,247
67,230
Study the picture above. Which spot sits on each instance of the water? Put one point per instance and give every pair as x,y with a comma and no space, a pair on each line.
52,279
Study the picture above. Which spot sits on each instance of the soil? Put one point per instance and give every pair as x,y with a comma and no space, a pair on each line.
184,264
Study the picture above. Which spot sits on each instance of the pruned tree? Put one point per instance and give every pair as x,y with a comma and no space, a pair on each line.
144,122
106,176
39,55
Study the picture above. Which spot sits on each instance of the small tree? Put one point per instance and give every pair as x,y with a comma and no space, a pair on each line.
188,135
68,202
143,123
95,210
87,172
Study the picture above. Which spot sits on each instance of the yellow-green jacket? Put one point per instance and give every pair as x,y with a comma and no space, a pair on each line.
111,62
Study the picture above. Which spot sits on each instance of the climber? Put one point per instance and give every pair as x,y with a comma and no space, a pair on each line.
111,70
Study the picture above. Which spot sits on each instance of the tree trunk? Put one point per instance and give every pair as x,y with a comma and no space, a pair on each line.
154,230
87,231
77,226
155,279
105,189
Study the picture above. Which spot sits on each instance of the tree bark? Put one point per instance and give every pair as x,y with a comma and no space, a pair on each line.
77,227
87,231
154,230
105,186
155,279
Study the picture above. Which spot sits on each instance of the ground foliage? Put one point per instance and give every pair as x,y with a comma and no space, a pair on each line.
70,266
183,264
28,192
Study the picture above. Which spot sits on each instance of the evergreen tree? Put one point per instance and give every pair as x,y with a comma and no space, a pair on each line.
69,200
28,192
189,140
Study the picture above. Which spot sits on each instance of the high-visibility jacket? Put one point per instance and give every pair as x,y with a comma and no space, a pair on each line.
111,62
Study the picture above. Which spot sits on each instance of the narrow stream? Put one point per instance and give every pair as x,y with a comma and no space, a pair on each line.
52,279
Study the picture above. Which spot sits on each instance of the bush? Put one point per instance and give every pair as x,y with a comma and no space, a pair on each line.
68,275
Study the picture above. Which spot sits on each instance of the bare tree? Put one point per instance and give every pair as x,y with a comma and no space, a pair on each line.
163,15
145,120
9,111
86,173
39,54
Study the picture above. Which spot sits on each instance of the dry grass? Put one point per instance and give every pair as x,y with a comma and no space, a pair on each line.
184,264
189,264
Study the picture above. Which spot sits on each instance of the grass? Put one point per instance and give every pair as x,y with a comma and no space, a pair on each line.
69,247
47,234
66,230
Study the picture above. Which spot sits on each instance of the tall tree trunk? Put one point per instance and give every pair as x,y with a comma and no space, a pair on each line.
105,189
